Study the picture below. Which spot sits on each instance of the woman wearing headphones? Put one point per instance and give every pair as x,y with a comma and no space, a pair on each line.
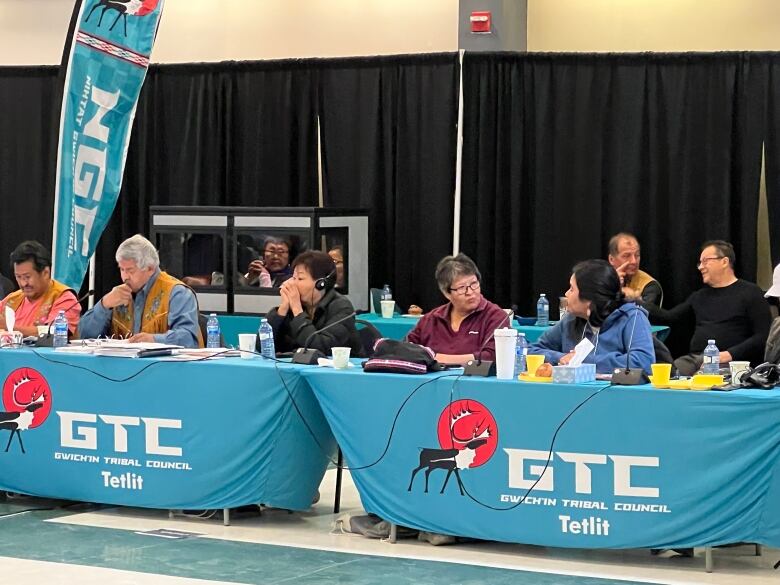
598,310
310,311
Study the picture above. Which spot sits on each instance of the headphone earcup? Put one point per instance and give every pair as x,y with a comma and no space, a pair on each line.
320,283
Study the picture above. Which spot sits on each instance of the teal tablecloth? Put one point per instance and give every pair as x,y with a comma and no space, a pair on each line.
632,467
163,434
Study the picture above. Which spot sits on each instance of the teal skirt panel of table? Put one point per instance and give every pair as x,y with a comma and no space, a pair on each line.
159,434
632,467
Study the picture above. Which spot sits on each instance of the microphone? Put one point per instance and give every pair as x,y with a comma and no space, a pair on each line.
480,367
304,355
47,340
630,376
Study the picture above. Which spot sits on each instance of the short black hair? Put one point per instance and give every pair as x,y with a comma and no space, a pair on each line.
724,248
31,250
319,264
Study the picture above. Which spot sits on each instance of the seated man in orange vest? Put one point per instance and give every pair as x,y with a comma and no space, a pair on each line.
149,305
638,285
39,298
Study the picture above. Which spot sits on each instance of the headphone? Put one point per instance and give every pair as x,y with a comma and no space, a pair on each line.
327,282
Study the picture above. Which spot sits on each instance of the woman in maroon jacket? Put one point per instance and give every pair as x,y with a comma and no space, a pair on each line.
461,330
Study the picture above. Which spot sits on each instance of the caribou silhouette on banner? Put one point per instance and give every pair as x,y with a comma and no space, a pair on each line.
123,8
452,459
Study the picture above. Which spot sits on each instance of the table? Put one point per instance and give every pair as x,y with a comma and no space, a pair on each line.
175,435
632,467
397,327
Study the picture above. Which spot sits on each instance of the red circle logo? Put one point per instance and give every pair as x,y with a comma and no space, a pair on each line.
26,390
468,424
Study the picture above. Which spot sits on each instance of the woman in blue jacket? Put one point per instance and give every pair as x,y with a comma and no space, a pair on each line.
597,310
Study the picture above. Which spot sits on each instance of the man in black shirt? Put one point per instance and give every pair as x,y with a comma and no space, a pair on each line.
729,310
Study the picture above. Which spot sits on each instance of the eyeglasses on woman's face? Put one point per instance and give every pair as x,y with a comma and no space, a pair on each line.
463,289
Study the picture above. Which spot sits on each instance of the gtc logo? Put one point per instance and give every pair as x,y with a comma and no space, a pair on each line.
27,401
468,436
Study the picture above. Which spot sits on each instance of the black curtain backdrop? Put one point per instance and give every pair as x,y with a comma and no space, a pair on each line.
388,130
561,151
216,134
29,123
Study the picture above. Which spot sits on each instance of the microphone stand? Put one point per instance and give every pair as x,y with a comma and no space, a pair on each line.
308,356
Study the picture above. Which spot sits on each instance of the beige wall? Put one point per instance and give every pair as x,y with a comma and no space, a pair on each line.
32,32
653,25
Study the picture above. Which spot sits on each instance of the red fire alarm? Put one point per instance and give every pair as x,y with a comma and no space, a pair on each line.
480,21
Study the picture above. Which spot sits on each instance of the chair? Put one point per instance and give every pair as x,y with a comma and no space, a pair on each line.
368,336
6,286
662,353
375,298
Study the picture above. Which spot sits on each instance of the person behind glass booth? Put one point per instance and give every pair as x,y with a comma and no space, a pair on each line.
273,268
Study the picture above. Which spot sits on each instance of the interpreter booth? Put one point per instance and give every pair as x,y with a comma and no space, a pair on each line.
235,258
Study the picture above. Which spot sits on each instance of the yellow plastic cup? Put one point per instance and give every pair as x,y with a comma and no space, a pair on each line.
661,373
532,362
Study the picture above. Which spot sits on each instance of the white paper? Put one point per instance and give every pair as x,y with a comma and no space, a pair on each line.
581,351
328,363
10,318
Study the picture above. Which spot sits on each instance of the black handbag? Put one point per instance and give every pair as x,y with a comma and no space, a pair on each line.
766,376
401,357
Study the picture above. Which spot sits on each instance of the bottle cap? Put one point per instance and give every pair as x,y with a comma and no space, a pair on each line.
712,341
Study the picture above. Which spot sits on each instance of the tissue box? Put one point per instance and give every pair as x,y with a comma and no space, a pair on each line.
574,374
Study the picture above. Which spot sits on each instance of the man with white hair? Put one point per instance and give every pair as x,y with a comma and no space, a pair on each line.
149,305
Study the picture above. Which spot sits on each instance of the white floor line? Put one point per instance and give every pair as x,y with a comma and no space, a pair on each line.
312,530
27,572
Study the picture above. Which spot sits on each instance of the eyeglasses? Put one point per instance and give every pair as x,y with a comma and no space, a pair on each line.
278,252
703,261
461,290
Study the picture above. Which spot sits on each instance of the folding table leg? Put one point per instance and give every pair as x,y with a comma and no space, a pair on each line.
339,471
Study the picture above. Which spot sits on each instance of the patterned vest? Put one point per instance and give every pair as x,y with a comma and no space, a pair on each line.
639,281
154,318
49,298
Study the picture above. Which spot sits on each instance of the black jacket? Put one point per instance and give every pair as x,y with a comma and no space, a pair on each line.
290,332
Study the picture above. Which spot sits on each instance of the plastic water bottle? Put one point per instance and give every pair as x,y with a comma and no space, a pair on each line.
60,330
542,311
266,336
711,363
521,350
387,293
212,331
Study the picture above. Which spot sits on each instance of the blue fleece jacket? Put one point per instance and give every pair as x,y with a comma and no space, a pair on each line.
613,340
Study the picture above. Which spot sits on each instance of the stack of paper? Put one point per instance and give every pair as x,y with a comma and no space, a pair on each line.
134,350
